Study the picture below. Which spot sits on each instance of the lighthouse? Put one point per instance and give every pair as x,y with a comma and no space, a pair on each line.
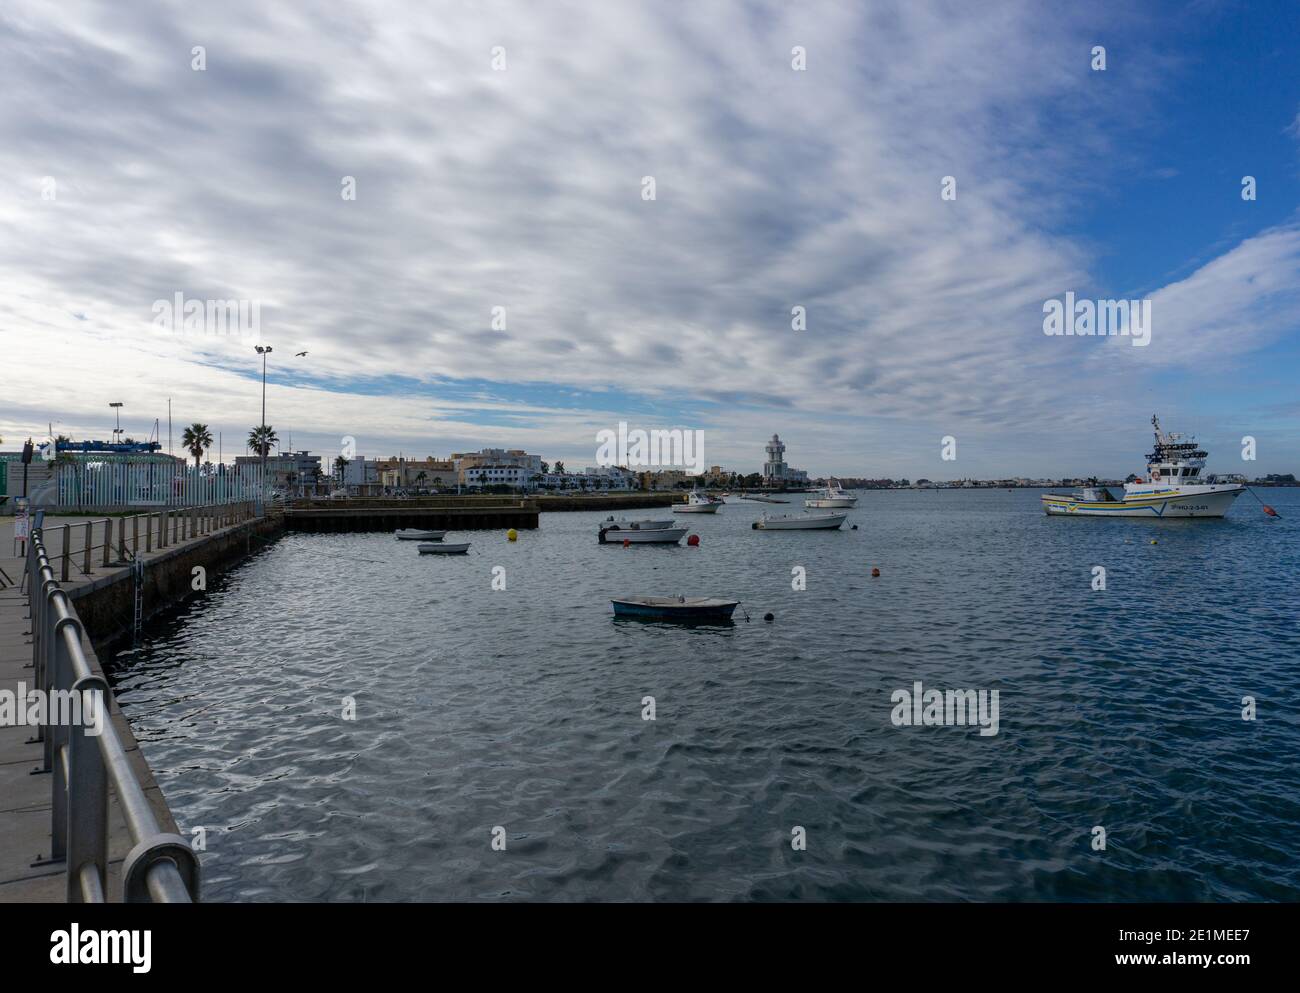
774,469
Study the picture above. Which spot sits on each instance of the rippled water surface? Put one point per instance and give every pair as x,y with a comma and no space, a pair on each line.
522,709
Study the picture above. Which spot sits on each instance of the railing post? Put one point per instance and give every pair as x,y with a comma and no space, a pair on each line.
61,666
135,535
148,532
121,539
67,552
88,782
108,539
90,540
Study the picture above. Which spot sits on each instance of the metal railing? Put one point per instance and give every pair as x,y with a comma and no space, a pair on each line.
160,529
161,867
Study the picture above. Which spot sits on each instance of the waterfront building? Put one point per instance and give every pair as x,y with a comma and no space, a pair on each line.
666,479
427,473
288,472
503,474
610,477
775,470
496,457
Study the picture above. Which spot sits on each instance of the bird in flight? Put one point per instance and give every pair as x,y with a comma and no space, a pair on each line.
300,355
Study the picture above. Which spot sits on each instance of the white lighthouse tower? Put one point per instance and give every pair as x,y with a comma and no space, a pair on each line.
774,469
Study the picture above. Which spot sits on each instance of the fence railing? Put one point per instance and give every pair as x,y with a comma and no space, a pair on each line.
85,756
112,485
119,540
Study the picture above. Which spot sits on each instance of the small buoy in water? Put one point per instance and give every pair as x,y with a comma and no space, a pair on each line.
693,540
512,535
1270,511
1154,542
875,573
627,543
769,618
854,528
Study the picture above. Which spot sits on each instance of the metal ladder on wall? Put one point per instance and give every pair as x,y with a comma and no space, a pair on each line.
137,573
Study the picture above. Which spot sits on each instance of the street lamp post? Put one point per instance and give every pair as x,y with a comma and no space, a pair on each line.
117,431
264,351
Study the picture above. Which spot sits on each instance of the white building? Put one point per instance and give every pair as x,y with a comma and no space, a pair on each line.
497,457
775,470
485,474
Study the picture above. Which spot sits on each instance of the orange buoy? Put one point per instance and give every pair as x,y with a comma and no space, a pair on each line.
1270,511
693,540
627,543
875,573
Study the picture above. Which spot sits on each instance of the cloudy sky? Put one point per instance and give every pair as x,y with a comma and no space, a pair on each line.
499,152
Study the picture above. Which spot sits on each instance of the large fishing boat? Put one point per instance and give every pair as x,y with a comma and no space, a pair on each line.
1173,487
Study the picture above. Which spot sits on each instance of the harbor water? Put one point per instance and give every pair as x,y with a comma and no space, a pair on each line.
347,720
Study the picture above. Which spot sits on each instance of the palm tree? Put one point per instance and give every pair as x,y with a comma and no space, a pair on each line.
559,468
420,477
340,464
260,440
197,439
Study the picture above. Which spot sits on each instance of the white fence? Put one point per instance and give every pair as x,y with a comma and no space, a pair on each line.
111,484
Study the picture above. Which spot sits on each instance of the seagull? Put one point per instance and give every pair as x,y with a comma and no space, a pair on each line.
300,355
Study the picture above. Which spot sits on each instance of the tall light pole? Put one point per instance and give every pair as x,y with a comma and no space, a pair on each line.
117,431
264,351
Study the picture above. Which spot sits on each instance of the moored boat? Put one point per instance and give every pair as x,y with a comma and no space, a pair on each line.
798,522
674,608
610,524
411,534
443,548
1173,487
698,503
640,536
833,496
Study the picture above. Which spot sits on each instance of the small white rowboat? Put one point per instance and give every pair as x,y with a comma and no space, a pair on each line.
799,522
444,548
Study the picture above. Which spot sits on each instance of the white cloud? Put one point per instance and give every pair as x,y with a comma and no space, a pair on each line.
522,189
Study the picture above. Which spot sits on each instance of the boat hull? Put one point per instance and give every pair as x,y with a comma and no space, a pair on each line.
420,535
649,610
819,522
654,536
444,548
829,503
696,508
1213,503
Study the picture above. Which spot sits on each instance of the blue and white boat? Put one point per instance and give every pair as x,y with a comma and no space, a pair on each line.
675,608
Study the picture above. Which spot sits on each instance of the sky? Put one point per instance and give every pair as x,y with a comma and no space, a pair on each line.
502,278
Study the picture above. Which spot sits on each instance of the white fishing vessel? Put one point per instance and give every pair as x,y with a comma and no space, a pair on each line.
698,503
1173,487
798,522
833,496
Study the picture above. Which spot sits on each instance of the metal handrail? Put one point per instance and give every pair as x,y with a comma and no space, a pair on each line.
166,526
161,867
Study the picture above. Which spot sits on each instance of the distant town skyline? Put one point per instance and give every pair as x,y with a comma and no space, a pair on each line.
451,244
